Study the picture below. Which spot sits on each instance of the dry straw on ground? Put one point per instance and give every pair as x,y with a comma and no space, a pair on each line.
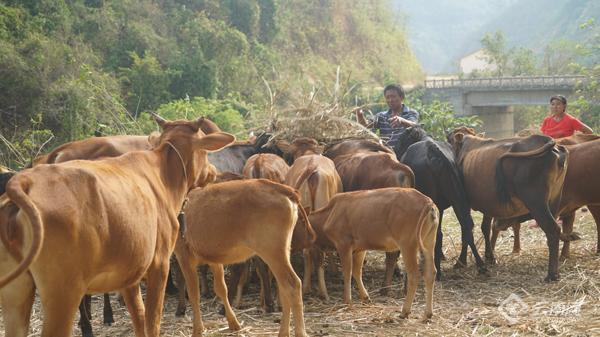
512,301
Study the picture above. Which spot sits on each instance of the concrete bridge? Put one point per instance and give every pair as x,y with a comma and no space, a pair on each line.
492,99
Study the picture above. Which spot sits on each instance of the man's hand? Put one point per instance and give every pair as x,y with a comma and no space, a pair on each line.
397,121
360,117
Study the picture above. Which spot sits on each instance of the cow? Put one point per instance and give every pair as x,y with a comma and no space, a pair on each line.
106,146
384,219
438,177
232,221
98,226
510,178
581,188
317,180
364,164
272,167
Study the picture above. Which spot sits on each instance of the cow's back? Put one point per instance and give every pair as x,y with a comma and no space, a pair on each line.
236,214
316,178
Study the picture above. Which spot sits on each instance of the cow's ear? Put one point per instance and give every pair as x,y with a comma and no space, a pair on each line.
215,141
154,139
284,146
482,135
458,138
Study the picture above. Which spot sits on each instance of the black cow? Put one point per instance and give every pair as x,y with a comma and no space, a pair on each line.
438,177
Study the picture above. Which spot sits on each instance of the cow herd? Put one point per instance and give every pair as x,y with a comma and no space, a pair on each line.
107,213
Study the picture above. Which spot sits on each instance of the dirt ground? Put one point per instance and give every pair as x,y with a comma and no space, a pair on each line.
513,300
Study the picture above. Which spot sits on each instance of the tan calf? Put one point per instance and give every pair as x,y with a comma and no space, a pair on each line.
232,221
317,180
387,219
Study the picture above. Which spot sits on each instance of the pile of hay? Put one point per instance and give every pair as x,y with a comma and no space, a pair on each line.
324,125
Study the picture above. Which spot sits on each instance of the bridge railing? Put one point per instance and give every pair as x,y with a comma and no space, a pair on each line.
513,82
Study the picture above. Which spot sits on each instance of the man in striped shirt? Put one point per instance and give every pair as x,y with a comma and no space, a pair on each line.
391,123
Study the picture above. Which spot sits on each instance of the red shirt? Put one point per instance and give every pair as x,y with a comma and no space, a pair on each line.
564,128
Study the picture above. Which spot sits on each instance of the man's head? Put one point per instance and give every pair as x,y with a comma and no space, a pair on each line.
394,96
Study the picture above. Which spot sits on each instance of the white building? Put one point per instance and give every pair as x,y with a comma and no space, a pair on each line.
476,61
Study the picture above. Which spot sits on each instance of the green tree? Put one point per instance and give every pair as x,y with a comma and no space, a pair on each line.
497,54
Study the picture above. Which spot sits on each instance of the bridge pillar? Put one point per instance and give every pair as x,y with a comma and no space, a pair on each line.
498,121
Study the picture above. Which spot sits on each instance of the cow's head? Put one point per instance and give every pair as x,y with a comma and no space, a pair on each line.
186,148
300,147
456,137
410,136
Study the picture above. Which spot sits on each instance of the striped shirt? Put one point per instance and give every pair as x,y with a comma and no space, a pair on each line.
388,133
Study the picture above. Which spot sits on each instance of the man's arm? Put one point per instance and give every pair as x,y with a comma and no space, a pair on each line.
360,117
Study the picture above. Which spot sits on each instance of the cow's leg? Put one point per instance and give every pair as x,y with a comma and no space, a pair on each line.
429,273
345,252
221,291
108,312
204,287
192,286
265,285
411,264
181,289
541,213
595,210
391,262
155,295
567,228
494,238
85,316
170,289
486,224
306,282
17,301
358,258
517,238
319,260
290,292
239,279
135,306
439,249
60,303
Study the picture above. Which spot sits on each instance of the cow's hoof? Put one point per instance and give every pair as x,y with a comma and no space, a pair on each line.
438,277
490,260
180,312
426,318
460,264
483,271
404,315
516,252
366,300
384,291
564,257
552,277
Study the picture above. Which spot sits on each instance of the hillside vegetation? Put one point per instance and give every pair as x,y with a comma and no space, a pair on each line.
72,67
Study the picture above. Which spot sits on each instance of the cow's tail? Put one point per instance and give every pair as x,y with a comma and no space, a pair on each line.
501,186
311,234
429,219
19,197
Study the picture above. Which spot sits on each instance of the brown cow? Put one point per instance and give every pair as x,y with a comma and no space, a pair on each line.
317,180
107,146
510,178
385,219
581,188
272,167
365,165
98,226
231,221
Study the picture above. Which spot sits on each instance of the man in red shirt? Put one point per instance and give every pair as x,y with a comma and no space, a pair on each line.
560,123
